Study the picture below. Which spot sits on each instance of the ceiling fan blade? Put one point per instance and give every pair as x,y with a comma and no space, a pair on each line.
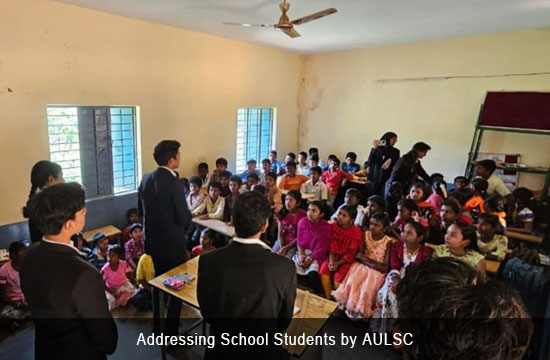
247,24
292,32
314,16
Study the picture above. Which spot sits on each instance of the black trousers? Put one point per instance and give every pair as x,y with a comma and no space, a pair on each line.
173,308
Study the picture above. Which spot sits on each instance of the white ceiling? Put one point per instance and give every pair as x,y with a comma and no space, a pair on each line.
357,24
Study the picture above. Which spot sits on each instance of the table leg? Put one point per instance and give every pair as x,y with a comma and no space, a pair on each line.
162,316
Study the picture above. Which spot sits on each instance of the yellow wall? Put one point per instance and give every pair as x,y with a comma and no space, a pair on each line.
343,106
188,85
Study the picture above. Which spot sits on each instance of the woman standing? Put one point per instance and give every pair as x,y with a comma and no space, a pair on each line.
381,161
44,173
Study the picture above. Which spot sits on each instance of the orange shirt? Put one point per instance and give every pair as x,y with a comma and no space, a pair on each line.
474,205
292,183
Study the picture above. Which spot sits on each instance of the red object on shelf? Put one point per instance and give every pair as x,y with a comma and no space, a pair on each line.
524,110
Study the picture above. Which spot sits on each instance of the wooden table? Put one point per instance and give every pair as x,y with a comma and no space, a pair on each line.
307,320
111,232
216,225
362,181
524,237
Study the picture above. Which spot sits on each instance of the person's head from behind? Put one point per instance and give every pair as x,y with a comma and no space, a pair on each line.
291,168
450,212
479,186
315,173
453,316
485,168
221,164
352,197
290,157
487,225
235,183
439,187
351,157
417,192
406,209
334,163
207,237
436,177
388,139
272,155
346,216
16,249
413,233
59,210
195,184
292,200
302,158
202,170
270,180
522,196
115,254
266,165
251,212
136,232
101,242
214,190
316,211
167,153
314,160
461,183
420,149
251,165
378,224
313,151
224,178
252,179
45,173
132,215
375,204
460,238
259,188
494,204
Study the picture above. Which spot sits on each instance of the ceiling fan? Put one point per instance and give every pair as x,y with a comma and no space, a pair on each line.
287,26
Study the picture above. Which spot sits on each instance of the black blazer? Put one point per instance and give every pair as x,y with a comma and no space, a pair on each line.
67,300
377,157
246,288
165,214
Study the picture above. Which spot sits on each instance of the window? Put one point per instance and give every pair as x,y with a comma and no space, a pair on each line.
255,135
95,146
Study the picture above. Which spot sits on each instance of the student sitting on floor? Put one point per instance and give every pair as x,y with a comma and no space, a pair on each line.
375,204
101,250
475,205
207,242
273,193
291,180
494,204
213,205
224,181
134,247
491,243
235,183
313,161
450,214
313,240
461,191
407,209
195,197
438,195
288,224
425,209
82,245
204,175
221,166
118,289
352,197
350,166
314,186
522,217
329,159
345,242
276,165
461,243
334,177
250,169
302,166
143,299
485,169
132,217
357,292
251,180
10,288
266,168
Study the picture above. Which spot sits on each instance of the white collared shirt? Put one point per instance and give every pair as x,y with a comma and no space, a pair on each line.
61,243
251,242
171,171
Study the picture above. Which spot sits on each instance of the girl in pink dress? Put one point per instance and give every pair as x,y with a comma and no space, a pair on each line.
118,288
357,293
288,220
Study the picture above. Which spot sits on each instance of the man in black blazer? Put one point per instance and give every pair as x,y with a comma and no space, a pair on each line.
65,292
244,287
165,219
